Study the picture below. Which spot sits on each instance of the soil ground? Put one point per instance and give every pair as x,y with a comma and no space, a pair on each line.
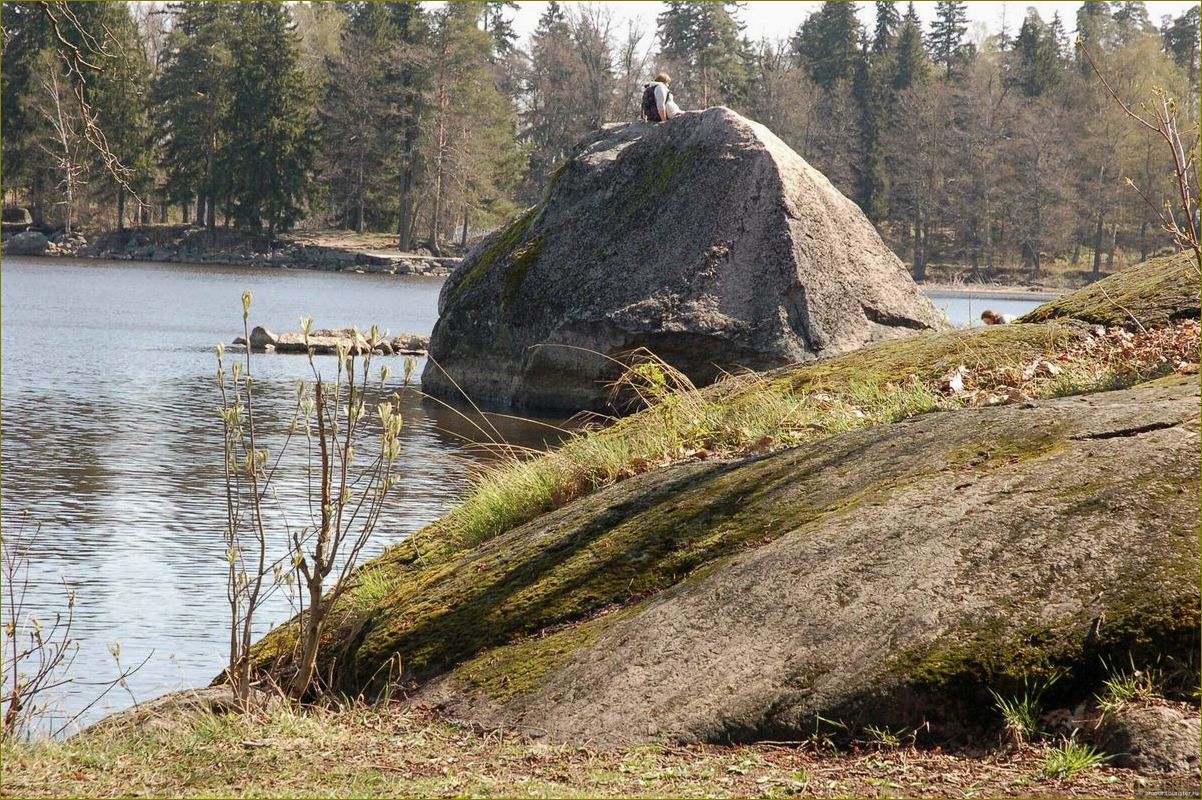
378,752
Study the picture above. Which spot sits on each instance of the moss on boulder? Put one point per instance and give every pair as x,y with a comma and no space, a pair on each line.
1150,294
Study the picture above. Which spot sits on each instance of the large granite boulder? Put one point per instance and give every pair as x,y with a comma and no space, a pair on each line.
704,239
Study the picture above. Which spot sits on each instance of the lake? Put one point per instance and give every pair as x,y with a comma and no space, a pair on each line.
112,442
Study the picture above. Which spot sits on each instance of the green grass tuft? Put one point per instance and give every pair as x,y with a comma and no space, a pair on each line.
1069,759
1126,687
372,585
1021,712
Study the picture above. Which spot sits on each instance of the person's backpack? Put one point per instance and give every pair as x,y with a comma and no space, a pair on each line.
650,109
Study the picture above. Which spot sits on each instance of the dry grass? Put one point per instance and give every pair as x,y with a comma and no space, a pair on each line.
388,752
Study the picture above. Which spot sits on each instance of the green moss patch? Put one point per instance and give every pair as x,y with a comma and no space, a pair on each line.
1150,294
520,264
502,248
519,668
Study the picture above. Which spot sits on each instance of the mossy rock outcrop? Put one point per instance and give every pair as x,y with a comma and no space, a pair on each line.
887,576
1150,294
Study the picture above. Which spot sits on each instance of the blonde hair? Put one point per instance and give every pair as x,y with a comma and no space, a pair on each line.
663,77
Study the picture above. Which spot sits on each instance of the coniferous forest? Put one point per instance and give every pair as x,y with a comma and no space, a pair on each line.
437,122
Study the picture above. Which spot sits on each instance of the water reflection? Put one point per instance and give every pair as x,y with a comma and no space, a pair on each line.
112,440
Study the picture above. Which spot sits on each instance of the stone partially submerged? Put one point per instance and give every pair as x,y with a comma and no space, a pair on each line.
327,341
705,240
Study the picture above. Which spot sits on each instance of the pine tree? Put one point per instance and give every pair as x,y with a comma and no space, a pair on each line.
828,44
888,20
1181,41
1038,64
411,77
270,121
1132,20
1095,28
469,128
946,39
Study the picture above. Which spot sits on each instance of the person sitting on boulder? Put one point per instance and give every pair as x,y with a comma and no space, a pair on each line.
658,105
995,318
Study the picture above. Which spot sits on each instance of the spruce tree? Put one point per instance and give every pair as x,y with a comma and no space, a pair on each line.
1059,36
888,20
119,98
828,44
1038,63
553,84
874,93
191,102
910,63
270,121
947,33
357,141
499,25
26,34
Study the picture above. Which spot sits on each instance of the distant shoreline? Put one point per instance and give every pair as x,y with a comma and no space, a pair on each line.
187,245
377,262
990,292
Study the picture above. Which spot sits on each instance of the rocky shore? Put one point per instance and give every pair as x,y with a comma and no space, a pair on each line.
183,244
327,341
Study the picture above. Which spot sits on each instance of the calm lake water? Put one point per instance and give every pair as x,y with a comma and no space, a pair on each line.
111,440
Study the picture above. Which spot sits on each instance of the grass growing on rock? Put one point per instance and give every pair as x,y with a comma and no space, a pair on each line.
502,247
759,413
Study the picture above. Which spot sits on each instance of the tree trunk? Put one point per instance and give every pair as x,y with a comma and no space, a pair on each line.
408,178
405,223
1097,247
312,637
463,236
120,208
920,266
438,178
